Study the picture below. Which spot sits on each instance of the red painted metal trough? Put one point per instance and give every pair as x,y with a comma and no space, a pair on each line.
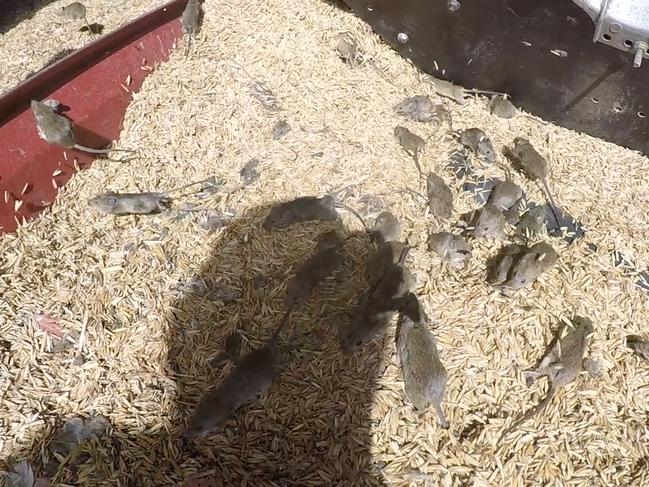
97,84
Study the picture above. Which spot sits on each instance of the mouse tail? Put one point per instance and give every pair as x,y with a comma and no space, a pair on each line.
551,201
531,413
353,212
282,325
92,34
99,151
189,185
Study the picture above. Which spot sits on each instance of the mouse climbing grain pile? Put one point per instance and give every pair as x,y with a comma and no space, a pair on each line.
304,209
561,365
424,374
421,109
477,142
77,11
527,264
347,48
190,21
252,375
386,228
440,197
411,143
58,130
526,159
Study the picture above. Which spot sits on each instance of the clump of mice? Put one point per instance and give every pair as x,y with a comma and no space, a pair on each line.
390,296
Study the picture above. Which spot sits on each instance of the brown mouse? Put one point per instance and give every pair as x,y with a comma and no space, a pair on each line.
386,227
420,109
424,375
639,345
378,305
252,375
526,159
135,203
411,143
440,197
303,209
190,21
477,141
58,130
452,249
323,263
529,265
562,364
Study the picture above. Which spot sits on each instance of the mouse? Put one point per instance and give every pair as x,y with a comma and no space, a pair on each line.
455,92
527,160
252,375
531,222
145,203
452,249
386,255
58,130
440,197
378,305
498,268
561,365
505,194
639,346
488,222
77,11
501,107
424,375
324,262
386,228
477,141
421,109
232,350
411,143
190,21
530,264
303,209
347,48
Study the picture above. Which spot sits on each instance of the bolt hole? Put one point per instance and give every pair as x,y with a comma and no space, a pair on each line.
606,37
370,8
642,115
594,100
628,43
617,108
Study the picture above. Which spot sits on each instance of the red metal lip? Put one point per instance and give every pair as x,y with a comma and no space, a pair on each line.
97,83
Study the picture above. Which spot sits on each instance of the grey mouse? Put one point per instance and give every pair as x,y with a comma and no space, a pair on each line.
347,48
639,345
501,107
77,11
532,222
440,197
561,365
499,269
505,194
526,159
421,109
386,255
489,222
252,375
529,265
424,375
324,262
145,203
58,130
303,209
386,227
411,143
477,141
452,249
190,21
378,305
